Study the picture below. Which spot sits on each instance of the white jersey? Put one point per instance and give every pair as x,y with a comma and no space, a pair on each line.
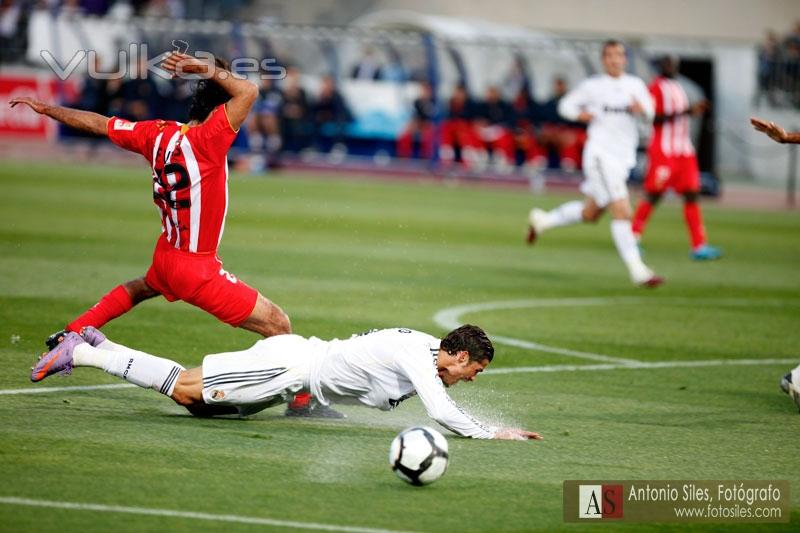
383,368
613,132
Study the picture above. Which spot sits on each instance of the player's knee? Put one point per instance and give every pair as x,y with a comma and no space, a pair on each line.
268,319
280,321
592,216
653,198
182,398
139,290
690,197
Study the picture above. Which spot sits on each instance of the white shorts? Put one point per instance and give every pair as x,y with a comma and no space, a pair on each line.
606,179
269,373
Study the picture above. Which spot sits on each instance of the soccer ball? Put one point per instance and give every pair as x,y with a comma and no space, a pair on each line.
418,455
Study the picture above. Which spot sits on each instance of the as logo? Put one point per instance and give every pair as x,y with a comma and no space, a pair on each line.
599,501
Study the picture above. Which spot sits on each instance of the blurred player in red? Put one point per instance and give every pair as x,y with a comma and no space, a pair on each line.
190,189
672,159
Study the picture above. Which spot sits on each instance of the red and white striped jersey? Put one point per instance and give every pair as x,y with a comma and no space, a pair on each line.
190,174
672,136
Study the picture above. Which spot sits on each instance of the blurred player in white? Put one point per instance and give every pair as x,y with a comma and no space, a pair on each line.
790,383
612,104
379,369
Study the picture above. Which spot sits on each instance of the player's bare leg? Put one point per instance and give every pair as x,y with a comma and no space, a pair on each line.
267,319
590,211
118,301
188,392
627,247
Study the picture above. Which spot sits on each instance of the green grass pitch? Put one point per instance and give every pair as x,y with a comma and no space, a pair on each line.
345,255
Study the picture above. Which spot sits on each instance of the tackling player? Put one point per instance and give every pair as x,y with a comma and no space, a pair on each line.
790,383
190,189
672,162
380,369
612,104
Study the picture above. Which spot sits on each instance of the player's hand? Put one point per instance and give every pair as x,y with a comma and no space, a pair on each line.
34,104
516,434
636,108
699,108
585,117
774,131
177,64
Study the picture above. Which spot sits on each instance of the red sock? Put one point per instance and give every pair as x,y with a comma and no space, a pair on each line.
641,216
115,303
694,221
301,401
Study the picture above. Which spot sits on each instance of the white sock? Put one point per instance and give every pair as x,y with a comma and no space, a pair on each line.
142,369
625,242
563,215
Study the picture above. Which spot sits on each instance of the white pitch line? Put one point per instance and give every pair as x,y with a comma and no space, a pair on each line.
563,351
509,370
187,514
451,318
43,390
645,366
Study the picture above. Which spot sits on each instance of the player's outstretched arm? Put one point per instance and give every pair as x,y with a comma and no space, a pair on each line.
516,434
74,118
775,132
243,92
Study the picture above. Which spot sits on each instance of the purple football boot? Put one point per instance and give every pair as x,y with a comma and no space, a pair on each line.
92,335
58,360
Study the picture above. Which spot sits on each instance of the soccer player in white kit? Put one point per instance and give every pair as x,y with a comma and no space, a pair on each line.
612,104
378,369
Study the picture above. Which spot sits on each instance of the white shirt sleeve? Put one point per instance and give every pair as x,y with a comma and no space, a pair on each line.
437,402
571,105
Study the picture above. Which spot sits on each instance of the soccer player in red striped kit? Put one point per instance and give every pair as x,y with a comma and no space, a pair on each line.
672,159
190,189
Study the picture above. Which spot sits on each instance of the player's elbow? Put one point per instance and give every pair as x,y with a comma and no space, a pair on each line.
438,415
249,92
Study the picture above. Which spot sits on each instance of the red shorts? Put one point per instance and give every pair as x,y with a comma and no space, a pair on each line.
680,173
200,280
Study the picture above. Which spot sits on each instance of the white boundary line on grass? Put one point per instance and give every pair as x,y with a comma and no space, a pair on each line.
43,390
450,318
9,500
495,371
643,366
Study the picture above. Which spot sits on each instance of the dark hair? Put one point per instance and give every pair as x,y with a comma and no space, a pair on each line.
471,339
609,43
208,95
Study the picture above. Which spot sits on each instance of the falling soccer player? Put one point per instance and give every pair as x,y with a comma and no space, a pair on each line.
380,369
612,104
190,189
672,161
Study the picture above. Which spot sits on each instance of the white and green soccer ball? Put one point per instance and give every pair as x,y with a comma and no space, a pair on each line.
418,455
